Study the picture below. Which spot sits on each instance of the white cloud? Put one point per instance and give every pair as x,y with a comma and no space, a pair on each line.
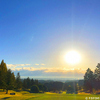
62,70
15,65
33,69
42,64
14,69
11,65
50,72
36,64
26,68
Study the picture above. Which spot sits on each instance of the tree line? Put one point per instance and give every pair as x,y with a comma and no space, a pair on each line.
8,81
69,87
7,77
92,79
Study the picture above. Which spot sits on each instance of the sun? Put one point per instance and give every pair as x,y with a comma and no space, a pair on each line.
72,57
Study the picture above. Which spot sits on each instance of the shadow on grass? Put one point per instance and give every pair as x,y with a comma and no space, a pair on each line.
1,90
18,90
5,98
22,90
24,93
26,90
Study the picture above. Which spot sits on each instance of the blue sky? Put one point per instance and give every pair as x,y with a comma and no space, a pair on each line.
36,34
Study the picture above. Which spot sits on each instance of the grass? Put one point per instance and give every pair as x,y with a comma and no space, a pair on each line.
24,95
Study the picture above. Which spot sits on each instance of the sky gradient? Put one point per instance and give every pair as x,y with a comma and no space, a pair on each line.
35,35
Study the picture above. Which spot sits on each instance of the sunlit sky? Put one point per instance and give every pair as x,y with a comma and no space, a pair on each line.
35,36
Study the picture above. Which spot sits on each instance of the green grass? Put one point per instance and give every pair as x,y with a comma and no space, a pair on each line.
24,95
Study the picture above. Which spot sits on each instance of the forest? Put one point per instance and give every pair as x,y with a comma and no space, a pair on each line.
8,81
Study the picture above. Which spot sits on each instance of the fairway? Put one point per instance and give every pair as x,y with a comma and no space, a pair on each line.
24,95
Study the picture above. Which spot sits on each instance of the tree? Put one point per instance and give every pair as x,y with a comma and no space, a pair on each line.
41,87
88,80
97,77
70,89
34,89
10,81
54,86
45,88
3,72
3,66
32,82
18,81
28,83
36,82
97,72
24,84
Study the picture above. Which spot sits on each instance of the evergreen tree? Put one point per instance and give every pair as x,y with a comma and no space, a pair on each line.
10,80
88,80
97,72
3,66
3,72
70,89
28,83
18,81
97,77
45,88
36,82
41,87
24,84
32,82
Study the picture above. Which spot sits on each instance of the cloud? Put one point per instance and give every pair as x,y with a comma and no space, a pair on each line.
33,69
16,69
36,64
15,65
42,64
49,71
64,70
26,70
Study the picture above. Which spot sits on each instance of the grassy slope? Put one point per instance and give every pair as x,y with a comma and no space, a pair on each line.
24,95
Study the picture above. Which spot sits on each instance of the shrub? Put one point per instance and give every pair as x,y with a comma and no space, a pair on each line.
45,88
34,89
41,87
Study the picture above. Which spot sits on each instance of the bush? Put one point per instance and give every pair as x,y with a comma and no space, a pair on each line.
45,88
34,89
41,87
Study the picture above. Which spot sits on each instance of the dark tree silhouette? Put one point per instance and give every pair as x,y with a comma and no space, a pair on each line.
24,84
88,80
45,88
18,81
32,82
28,81
70,89
36,82
97,72
97,77
34,89
3,74
10,81
41,87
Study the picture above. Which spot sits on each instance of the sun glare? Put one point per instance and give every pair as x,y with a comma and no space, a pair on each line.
72,57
